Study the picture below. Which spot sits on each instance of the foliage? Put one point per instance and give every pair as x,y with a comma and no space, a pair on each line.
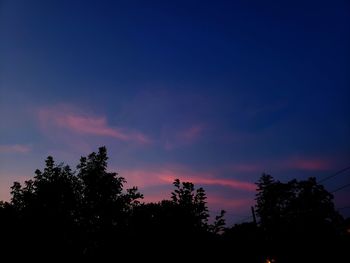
192,204
297,205
298,214
87,214
82,212
82,208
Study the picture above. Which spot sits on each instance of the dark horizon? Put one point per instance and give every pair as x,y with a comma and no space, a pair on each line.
88,213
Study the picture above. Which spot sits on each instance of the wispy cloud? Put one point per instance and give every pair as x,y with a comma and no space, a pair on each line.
15,148
232,183
67,118
215,202
156,185
309,164
145,177
184,136
283,164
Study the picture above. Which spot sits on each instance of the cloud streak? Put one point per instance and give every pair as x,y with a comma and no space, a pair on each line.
215,202
16,148
166,175
309,164
156,185
232,183
302,163
81,123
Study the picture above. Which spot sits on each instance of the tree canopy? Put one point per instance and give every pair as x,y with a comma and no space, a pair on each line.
298,214
87,213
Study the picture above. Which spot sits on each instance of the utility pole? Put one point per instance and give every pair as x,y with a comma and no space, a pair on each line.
253,213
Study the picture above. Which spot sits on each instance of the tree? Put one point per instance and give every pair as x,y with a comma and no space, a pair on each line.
191,203
304,204
105,206
103,198
296,214
219,225
46,209
88,214
72,212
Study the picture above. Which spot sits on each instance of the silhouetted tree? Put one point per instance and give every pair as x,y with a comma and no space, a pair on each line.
244,242
219,224
87,214
303,204
105,207
296,214
73,212
191,204
46,208
180,224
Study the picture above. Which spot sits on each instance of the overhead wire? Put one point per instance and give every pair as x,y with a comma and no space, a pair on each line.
335,174
321,181
340,188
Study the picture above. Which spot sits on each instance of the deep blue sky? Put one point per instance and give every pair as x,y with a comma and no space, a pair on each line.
216,92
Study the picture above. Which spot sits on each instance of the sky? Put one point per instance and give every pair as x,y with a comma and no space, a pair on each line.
212,92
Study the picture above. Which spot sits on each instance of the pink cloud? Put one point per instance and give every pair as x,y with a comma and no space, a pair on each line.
16,148
308,164
232,183
70,119
283,164
166,176
215,202
156,185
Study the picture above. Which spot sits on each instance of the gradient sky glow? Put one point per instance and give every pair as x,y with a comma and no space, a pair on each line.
215,92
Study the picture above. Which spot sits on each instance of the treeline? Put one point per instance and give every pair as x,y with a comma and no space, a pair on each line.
87,214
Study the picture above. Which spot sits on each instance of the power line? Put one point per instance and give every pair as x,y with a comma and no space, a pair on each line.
322,180
335,174
340,188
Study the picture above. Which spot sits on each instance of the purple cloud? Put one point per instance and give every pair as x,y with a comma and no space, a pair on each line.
73,120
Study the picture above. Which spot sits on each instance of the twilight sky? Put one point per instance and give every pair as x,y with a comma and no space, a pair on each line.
214,92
